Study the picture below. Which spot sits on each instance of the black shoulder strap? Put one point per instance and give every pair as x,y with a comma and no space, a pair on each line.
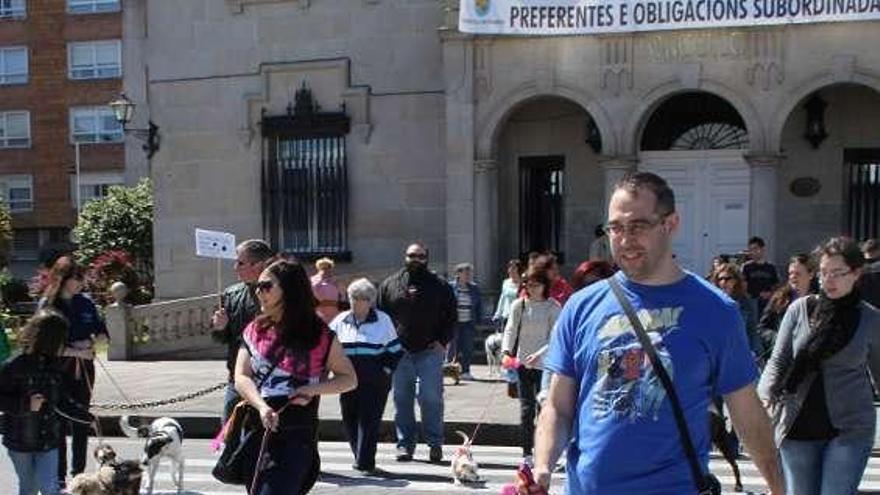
522,311
660,370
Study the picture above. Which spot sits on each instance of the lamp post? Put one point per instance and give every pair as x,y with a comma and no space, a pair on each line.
123,110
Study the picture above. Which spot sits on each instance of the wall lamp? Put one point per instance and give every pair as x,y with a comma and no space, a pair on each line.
123,109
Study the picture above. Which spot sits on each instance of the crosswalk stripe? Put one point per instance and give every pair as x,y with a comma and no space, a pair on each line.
419,476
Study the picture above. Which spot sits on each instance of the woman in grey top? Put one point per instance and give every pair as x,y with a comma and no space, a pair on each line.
526,336
816,383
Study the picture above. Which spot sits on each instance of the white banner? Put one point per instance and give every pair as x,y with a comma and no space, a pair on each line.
212,244
567,17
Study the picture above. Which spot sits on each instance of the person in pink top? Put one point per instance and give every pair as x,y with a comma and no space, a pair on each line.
326,290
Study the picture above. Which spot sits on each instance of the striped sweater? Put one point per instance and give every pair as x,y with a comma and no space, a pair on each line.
371,345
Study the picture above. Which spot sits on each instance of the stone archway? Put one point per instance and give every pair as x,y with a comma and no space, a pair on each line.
840,169
696,140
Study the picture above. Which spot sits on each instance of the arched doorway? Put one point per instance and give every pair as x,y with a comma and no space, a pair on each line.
830,141
695,141
550,186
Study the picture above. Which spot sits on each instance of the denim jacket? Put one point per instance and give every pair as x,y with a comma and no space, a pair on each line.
848,391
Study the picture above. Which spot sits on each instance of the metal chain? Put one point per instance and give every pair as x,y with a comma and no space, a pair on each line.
123,406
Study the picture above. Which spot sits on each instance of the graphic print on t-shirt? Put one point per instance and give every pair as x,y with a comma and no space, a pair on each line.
626,385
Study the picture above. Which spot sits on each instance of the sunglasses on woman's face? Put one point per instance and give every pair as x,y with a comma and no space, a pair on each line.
264,285
724,279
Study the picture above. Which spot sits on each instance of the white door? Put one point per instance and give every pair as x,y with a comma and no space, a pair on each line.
712,196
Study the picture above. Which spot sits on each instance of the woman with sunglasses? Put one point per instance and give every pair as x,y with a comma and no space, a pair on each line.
64,294
728,278
801,275
526,337
816,384
282,369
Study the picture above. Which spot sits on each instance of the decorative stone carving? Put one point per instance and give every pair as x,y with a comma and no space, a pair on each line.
237,6
616,62
482,68
485,166
766,65
279,81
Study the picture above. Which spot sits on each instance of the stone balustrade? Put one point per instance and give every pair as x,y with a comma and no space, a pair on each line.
178,329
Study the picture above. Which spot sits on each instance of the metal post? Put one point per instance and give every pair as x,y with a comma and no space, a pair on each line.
77,192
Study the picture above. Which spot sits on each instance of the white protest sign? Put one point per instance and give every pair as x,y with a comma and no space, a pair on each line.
568,17
213,244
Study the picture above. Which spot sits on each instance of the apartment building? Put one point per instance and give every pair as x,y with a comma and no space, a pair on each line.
60,63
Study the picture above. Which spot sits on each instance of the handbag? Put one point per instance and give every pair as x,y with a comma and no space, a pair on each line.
237,463
706,483
512,387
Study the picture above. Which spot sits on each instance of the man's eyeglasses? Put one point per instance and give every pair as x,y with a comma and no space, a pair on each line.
834,275
417,256
634,228
264,286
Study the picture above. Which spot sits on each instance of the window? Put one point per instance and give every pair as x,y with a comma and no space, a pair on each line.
13,65
93,186
15,129
305,188
26,244
12,9
92,6
17,192
94,59
862,175
94,125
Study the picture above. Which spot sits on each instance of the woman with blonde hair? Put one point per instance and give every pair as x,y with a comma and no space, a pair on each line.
327,290
729,279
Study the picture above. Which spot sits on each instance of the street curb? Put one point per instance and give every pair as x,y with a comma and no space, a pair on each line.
330,430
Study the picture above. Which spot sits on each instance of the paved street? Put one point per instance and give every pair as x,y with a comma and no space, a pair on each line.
418,477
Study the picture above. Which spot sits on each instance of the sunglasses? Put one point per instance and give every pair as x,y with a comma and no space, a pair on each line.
417,256
264,286
724,279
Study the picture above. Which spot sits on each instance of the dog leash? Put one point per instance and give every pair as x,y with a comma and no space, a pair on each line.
483,414
264,443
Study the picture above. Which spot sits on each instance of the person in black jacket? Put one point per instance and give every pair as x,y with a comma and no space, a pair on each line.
424,312
33,395
240,307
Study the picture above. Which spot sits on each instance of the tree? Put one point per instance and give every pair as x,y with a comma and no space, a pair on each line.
5,234
121,221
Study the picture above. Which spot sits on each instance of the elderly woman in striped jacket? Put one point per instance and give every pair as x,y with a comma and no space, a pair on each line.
370,341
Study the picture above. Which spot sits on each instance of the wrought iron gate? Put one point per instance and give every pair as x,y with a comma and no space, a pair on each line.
862,175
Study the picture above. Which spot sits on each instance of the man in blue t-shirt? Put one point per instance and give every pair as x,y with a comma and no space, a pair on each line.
606,404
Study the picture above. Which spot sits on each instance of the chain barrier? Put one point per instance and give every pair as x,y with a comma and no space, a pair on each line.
128,406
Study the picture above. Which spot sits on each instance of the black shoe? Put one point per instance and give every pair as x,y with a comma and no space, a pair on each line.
364,469
436,454
404,454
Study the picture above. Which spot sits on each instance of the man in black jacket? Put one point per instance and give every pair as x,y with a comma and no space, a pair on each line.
239,307
423,309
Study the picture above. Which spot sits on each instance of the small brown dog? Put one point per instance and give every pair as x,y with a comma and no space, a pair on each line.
113,477
452,370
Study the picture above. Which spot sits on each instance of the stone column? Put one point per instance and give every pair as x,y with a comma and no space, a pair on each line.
615,167
762,202
486,221
458,82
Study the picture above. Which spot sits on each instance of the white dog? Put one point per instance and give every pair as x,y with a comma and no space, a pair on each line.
493,353
164,438
465,470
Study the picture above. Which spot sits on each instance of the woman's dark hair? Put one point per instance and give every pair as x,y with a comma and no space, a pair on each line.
45,334
782,295
729,269
598,269
515,263
300,326
64,269
538,273
804,259
844,247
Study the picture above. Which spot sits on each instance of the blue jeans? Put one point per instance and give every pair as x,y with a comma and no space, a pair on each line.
825,467
426,367
462,345
36,471
229,401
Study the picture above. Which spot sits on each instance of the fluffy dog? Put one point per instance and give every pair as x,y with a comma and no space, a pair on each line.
113,477
164,438
452,370
465,470
493,353
723,441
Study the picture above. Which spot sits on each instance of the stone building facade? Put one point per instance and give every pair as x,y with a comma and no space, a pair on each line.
350,127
